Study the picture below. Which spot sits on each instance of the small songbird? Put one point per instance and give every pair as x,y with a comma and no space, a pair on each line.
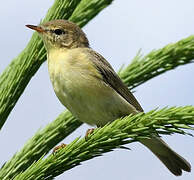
87,85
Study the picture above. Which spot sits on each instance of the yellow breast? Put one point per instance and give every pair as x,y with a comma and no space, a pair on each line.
80,87
72,74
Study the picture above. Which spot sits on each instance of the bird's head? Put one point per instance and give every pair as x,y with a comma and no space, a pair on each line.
61,34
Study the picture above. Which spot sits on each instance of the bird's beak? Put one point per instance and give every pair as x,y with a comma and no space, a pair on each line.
36,28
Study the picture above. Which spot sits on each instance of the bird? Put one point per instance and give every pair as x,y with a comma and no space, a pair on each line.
87,85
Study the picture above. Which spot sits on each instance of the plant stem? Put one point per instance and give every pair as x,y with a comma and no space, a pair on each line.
158,61
122,131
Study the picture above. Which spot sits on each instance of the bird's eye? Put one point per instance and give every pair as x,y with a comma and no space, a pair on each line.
58,31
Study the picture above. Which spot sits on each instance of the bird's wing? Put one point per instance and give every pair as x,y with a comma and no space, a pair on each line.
112,79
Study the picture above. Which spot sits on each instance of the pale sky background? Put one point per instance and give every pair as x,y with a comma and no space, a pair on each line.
117,33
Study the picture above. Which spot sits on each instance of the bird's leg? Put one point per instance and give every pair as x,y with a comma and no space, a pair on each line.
89,132
59,147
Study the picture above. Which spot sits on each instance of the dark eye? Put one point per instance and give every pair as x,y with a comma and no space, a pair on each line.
58,31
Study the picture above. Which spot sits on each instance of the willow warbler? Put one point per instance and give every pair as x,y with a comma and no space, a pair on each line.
87,85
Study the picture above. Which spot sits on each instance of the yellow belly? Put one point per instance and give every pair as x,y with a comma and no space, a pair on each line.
80,88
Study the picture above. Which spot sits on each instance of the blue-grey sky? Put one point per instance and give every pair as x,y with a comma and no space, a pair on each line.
118,32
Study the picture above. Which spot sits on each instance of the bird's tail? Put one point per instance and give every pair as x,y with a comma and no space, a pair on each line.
173,161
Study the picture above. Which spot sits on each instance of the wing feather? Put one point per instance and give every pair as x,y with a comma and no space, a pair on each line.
112,79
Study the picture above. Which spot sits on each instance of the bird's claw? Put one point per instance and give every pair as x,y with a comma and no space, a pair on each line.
59,147
89,132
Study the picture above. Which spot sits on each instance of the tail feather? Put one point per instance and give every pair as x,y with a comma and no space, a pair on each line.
173,161
174,164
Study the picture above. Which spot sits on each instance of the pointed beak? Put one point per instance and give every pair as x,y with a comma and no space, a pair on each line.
36,28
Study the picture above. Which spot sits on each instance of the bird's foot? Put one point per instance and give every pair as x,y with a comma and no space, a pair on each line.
59,147
89,132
